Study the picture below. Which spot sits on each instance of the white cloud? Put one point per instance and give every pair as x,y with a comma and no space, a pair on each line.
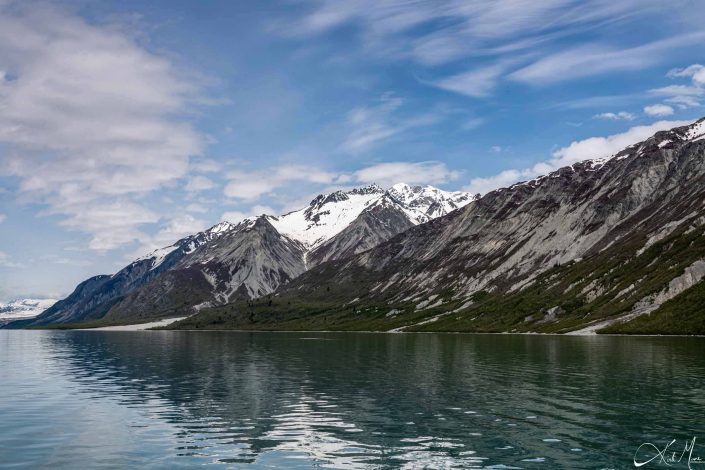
599,101
371,125
6,261
619,116
658,110
438,32
442,32
233,216
91,118
476,83
594,59
500,180
206,166
696,72
684,96
387,174
473,123
112,224
199,183
172,231
596,147
683,101
250,185
593,147
3,217
196,207
678,90
237,216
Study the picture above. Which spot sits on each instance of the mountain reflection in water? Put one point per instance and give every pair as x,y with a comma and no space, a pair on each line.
342,400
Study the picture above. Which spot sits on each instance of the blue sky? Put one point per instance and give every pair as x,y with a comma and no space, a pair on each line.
127,125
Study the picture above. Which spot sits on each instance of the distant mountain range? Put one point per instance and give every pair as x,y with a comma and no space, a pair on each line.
252,258
23,308
615,244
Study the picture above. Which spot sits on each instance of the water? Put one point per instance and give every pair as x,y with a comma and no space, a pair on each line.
89,399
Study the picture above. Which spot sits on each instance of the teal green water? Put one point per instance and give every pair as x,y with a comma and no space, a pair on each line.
89,399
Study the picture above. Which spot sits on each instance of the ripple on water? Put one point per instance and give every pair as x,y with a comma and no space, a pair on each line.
178,399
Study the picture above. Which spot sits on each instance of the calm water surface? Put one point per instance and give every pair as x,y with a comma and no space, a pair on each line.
89,399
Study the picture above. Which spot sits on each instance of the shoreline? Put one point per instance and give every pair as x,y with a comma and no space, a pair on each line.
135,326
525,333
150,326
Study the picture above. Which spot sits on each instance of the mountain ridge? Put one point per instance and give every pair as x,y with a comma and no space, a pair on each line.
251,258
498,255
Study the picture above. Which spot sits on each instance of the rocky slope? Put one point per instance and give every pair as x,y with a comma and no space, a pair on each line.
250,259
599,243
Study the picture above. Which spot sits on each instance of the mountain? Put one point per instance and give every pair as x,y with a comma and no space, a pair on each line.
23,308
616,243
252,258
329,215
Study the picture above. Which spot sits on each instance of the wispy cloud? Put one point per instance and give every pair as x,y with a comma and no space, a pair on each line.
472,123
619,116
112,224
462,29
371,125
684,96
387,174
171,231
476,83
205,165
436,33
199,183
599,101
696,72
196,208
93,120
658,110
7,262
596,59
251,185
683,101
678,90
237,216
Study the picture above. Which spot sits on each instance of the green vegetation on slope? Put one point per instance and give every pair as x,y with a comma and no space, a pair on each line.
682,315
564,298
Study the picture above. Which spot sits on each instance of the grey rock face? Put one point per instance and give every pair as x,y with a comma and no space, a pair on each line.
503,240
241,261
377,223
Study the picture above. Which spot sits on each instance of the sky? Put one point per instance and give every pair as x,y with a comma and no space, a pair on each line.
125,126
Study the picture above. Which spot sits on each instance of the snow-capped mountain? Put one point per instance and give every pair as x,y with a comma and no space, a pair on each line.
24,308
251,258
328,215
427,202
185,245
614,241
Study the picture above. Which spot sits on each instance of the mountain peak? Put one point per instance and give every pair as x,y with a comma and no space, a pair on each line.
329,214
431,202
373,188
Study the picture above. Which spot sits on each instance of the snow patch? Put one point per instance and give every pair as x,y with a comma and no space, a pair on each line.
24,308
